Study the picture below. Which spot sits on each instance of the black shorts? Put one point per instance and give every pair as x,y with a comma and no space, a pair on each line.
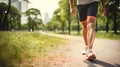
87,10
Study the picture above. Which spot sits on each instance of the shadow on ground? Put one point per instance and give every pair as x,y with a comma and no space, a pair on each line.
100,63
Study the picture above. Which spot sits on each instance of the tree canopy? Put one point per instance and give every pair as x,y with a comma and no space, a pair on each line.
110,22
33,15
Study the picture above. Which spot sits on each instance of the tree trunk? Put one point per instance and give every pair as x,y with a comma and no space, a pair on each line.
78,23
107,13
78,27
115,18
96,26
19,24
1,24
69,28
63,24
115,23
29,23
107,26
5,23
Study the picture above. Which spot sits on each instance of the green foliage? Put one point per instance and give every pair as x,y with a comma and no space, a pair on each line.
110,21
55,23
24,26
101,34
74,25
17,47
13,16
3,8
110,35
33,12
50,26
61,17
34,20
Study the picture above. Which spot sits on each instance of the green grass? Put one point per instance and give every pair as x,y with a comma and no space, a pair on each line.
99,34
110,35
104,35
16,47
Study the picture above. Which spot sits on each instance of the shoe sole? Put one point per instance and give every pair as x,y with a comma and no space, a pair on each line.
83,53
92,57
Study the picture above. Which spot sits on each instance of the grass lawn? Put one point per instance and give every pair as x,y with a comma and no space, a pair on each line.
99,34
16,47
110,35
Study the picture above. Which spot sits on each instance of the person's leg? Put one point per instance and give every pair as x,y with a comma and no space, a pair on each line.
82,9
84,34
90,36
91,31
84,31
91,18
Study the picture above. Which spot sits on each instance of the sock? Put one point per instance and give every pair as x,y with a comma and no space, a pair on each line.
86,47
90,50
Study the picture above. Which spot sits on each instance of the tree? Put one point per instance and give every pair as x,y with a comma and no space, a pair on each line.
110,21
13,17
56,19
55,22
65,14
6,16
113,7
66,18
3,8
5,19
33,15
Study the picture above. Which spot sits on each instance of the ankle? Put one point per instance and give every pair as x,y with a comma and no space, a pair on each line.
89,50
85,46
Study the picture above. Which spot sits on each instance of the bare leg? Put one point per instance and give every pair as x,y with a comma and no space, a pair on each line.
90,37
84,31
91,31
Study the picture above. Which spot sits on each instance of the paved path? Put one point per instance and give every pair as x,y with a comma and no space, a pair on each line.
106,51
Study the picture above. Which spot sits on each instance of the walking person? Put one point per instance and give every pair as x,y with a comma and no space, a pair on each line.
87,10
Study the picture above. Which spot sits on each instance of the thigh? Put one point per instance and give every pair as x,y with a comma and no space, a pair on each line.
92,9
91,19
82,10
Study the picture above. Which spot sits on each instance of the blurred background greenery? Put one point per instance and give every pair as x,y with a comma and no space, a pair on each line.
61,19
19,42
19,47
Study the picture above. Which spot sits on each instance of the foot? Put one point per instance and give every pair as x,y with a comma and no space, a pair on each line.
89,55
84,50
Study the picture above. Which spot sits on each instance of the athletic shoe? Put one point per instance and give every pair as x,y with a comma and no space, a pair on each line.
89,55
84,50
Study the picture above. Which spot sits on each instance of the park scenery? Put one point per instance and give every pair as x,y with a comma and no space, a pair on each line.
47,37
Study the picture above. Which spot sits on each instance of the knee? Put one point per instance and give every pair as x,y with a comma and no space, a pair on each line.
90,26
90,23
91,19
84,25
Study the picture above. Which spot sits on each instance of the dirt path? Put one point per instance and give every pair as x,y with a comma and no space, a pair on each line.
107,52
